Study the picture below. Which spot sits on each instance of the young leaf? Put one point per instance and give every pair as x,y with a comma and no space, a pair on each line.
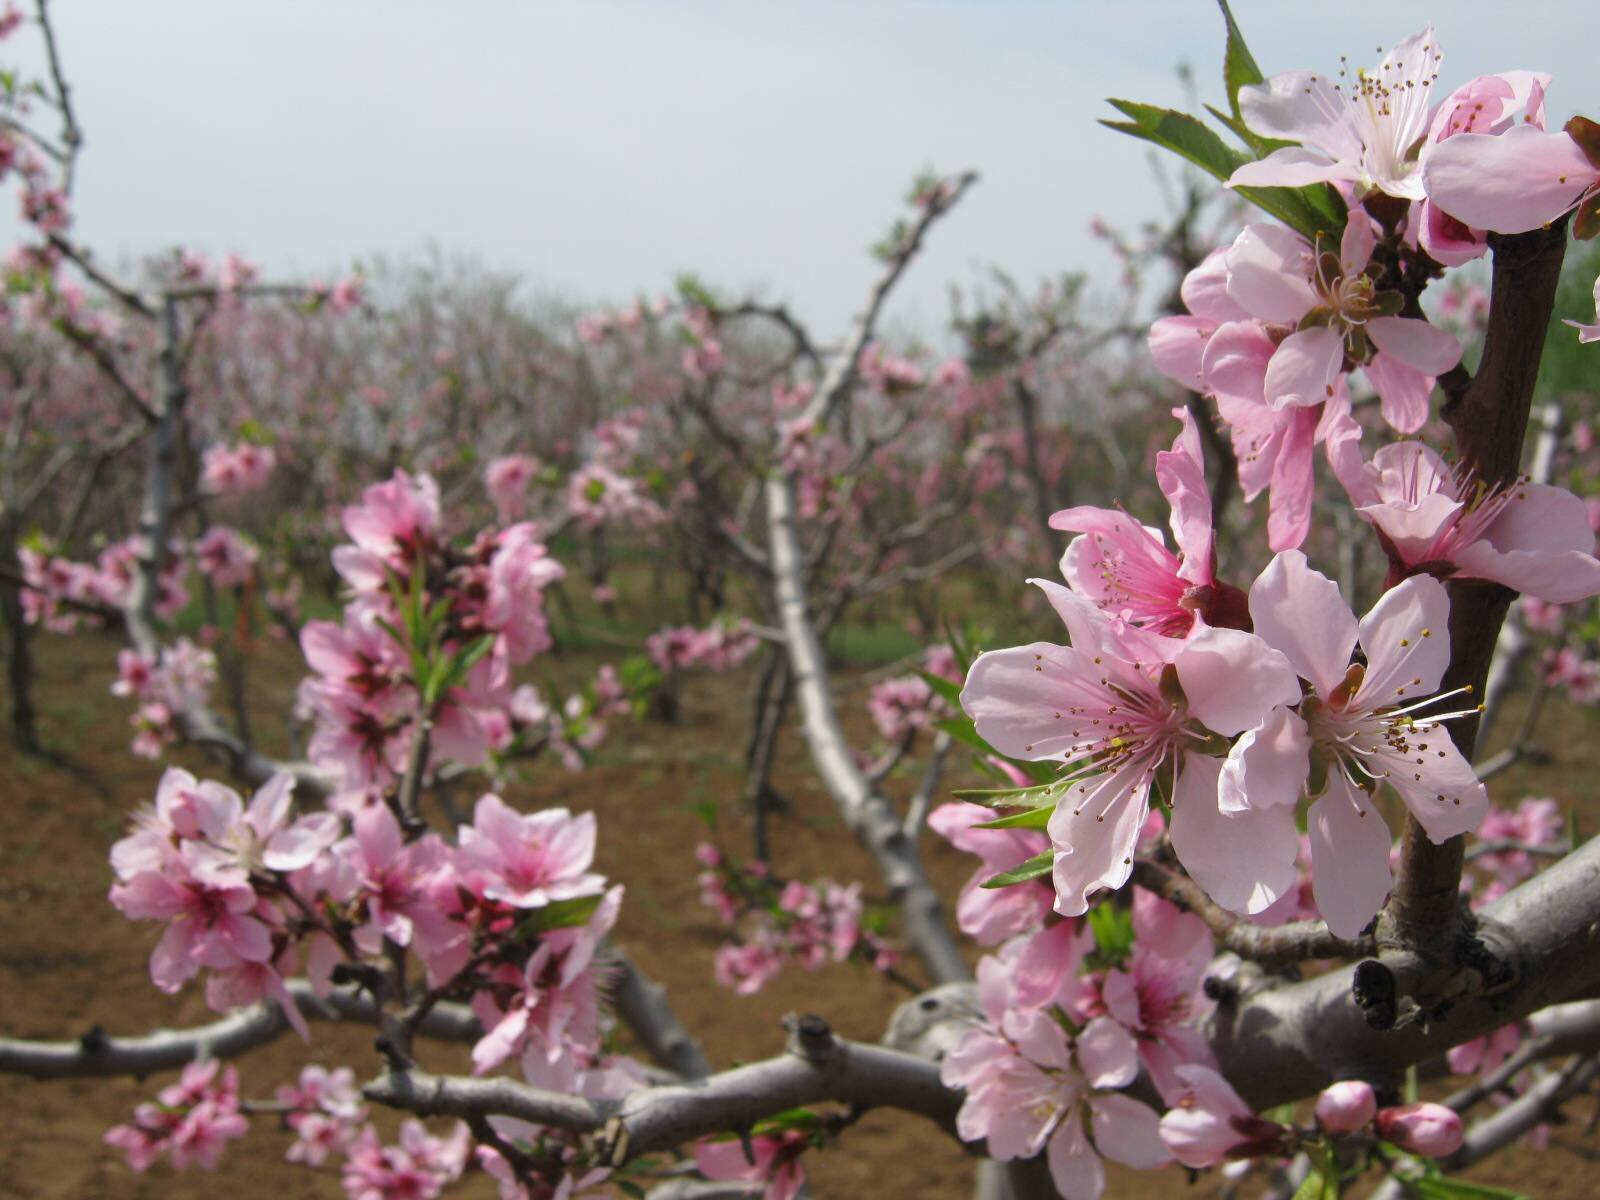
1028,818
1039,864
559,914
1238,64
943,688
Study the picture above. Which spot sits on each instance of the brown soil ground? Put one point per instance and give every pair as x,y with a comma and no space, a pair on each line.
69,962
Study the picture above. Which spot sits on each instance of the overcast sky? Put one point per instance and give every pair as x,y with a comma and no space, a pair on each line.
598,148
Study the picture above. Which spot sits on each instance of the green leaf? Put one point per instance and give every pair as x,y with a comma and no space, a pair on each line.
1438,1187
998,797
1034,867
1311,210
1028,818
559,914
965,732
1112,926
943,688
1238,64
1310,1188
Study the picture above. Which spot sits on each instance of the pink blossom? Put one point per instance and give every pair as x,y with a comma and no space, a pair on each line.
231,470
1115,707
225,557
1532,537
394,524
1208,1122
774,1159
991,915
1126,568
1159,998
1518,179
529,860
506,480
1346,1106
1028,1089
1371,722
1365,139
1431,1130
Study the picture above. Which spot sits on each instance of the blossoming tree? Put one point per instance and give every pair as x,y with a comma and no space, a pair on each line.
1199,782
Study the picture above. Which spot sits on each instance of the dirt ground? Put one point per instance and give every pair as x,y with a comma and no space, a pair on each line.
69,962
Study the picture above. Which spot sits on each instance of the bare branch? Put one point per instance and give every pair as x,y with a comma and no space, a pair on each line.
817,1068
99,1054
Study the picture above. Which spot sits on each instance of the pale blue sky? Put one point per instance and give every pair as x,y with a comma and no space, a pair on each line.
597,147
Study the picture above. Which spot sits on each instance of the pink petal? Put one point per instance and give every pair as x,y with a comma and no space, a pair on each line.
1300,106
1128,1132
1244,861
1290,167
1075,1168
1269,274
1177,346
1419,344
1095,829
1541,544
1303,370
1292,482
1300,612
1349,856
1510,182
1404,390
1235,362
1268,766
1205,290
1403,663
1014,705
1442,790
1231,679
1107,1054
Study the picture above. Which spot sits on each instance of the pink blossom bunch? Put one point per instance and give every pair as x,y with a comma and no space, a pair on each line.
507,479
890,373
1535,822
703,356
598,495
180,679
772,923
325,1112
1038,1081
223,556
231,470
718,647
363,697
191,1122
418,1167
59,593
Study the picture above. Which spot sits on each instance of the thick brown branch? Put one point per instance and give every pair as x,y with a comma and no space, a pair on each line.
1488,420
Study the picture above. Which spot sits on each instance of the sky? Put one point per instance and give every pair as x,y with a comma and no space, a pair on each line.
597,148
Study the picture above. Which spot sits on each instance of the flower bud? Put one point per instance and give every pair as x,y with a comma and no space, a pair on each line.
1431,1130
1346,1106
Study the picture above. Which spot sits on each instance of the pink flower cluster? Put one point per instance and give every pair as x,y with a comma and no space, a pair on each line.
191,1121
718,647
61,594
418,1167
772,923
225,557
232,470
597,494
325,1112
507,480
906,703
164,688
246,893
1535,822
1039,1080
364,698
